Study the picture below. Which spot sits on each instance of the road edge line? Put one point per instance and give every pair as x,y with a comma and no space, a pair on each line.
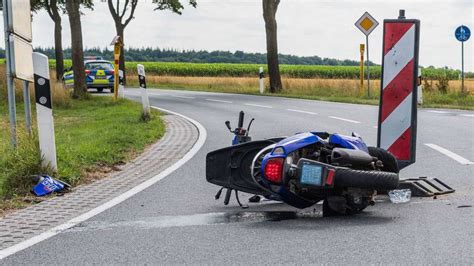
117,200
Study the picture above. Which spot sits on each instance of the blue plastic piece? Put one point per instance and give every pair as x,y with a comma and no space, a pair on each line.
348,142
47,185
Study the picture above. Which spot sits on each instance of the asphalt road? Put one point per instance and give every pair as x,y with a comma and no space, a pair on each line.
177,220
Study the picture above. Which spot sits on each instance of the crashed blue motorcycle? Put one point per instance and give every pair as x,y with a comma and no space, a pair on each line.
304,169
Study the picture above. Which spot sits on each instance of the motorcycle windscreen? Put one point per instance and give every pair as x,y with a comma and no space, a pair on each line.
398,96
231,167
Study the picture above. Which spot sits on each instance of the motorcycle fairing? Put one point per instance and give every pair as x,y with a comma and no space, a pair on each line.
230,167
348,142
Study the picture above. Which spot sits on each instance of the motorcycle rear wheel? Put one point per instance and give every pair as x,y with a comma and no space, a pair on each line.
389,161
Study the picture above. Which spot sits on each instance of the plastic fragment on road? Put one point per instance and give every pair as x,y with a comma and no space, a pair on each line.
400,195
47,185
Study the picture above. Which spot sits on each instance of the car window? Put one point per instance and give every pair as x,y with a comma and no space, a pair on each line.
99,66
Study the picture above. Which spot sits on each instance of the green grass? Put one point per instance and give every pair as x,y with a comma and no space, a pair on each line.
251,70
90,134
451,100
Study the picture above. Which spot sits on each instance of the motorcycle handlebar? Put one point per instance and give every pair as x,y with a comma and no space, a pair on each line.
241,119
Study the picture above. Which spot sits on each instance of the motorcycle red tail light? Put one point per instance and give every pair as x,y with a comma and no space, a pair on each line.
273,170
330,177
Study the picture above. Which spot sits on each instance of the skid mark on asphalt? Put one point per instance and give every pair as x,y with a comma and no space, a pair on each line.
450,154
344,119
195,220
218,101
258,105
301,111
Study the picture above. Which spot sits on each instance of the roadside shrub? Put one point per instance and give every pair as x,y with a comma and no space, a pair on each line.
18,165
443,83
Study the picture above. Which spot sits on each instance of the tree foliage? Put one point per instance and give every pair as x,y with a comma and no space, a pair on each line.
173,55
123,12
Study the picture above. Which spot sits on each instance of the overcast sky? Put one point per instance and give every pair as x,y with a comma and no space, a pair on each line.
305,27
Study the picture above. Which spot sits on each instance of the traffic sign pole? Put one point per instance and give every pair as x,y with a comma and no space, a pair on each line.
366,24
361,74
462,67
10,84
462,34
368,66
26,99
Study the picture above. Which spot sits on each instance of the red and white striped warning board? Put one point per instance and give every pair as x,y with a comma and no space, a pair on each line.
398,97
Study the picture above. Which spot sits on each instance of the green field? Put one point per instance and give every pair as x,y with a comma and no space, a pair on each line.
251,70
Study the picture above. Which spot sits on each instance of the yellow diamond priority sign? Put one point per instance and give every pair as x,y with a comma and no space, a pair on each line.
366,23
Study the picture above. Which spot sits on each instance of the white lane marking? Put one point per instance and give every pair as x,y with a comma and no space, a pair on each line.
184,97
399,56
128,194
344,119
257,105
301,111
376,127
450,154
466,115
218,101
438,112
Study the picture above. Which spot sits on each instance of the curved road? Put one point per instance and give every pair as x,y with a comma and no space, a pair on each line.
177,220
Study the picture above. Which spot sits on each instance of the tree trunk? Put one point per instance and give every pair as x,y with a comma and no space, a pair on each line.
269,11
77,53
58,49
120,32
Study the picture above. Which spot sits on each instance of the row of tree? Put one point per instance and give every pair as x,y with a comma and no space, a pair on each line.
192,56
122,12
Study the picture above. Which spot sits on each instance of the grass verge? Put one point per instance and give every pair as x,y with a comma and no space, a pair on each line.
92,137
336,90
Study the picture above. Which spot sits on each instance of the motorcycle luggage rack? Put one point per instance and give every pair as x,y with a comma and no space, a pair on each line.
425,187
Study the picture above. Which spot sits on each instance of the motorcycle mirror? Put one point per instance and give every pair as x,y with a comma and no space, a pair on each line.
227,124
250,124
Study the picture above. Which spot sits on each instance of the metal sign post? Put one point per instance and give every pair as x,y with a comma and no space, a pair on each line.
117,45
10,84
44,111
361,75
366,24
18,53
26,99
462,34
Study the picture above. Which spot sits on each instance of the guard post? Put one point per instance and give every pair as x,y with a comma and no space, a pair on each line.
121,84
420,87
117,47
261,80
397,123
143,89
44,111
